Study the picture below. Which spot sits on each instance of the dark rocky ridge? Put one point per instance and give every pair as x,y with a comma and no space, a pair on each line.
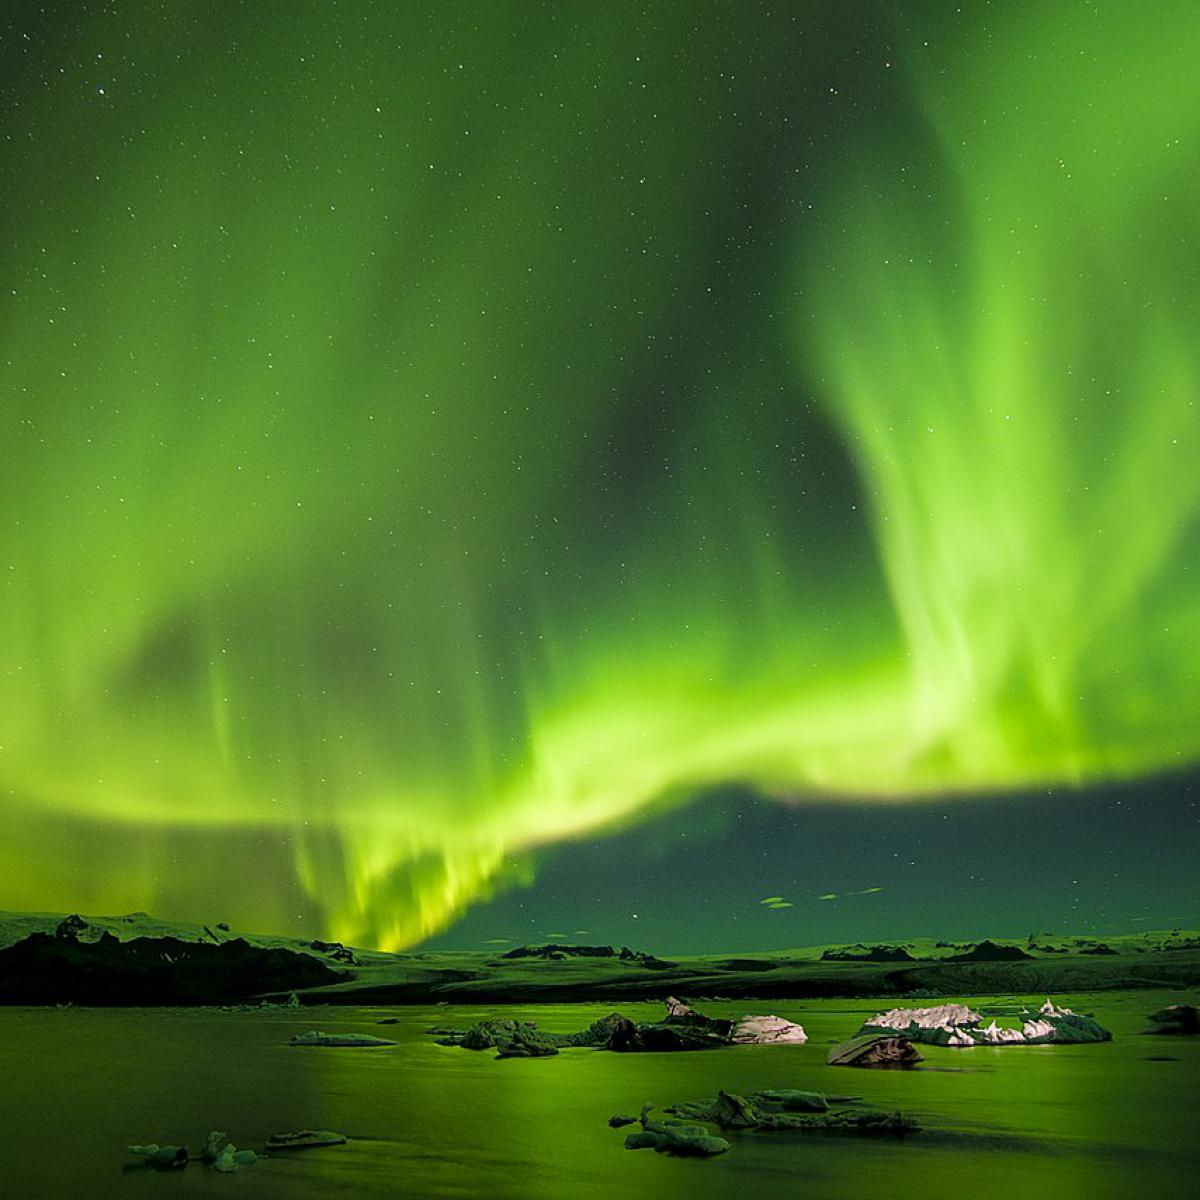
988,951
1044,964
60,969
861,953
557,951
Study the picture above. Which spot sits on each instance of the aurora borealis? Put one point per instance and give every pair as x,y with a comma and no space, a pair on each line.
431,435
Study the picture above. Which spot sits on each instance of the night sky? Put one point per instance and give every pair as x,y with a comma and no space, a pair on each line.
469,470
1120,859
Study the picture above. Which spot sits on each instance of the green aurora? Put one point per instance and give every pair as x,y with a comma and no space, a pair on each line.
428,437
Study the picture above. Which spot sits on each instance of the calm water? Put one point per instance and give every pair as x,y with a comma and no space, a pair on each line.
427,1120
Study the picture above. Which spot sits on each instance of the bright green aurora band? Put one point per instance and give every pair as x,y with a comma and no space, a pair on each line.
394,475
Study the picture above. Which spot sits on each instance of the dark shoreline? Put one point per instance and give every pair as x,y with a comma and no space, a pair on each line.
135,960
787,985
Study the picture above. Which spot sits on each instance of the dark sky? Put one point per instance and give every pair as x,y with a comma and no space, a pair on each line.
1115,860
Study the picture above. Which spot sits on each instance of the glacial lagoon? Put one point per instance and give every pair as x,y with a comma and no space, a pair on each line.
1116,1120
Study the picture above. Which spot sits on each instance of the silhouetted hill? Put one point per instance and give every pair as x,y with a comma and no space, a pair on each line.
46,969
138,959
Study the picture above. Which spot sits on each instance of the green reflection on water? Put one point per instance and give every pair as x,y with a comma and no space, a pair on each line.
426,1120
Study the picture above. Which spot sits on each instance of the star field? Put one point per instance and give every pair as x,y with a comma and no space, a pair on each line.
435,434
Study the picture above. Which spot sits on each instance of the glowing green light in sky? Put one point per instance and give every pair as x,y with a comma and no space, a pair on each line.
1010,348
385,478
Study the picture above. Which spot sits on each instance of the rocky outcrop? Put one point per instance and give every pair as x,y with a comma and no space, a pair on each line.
674,1137
958,1025
988,951
683,1028
631,1037
224,1156
69,928
645,960
526,1041
804,1112
557,950
915,1023
218,1152
510,1039
314,1037
336,951
686,1029
795,1100
787,1110
767,1031
874,1050
681,1010
597,1033
45,969
305,1139
1178,940
1052,1024
1175,1020
861,953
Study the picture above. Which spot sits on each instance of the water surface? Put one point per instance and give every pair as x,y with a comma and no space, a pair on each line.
427,1120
